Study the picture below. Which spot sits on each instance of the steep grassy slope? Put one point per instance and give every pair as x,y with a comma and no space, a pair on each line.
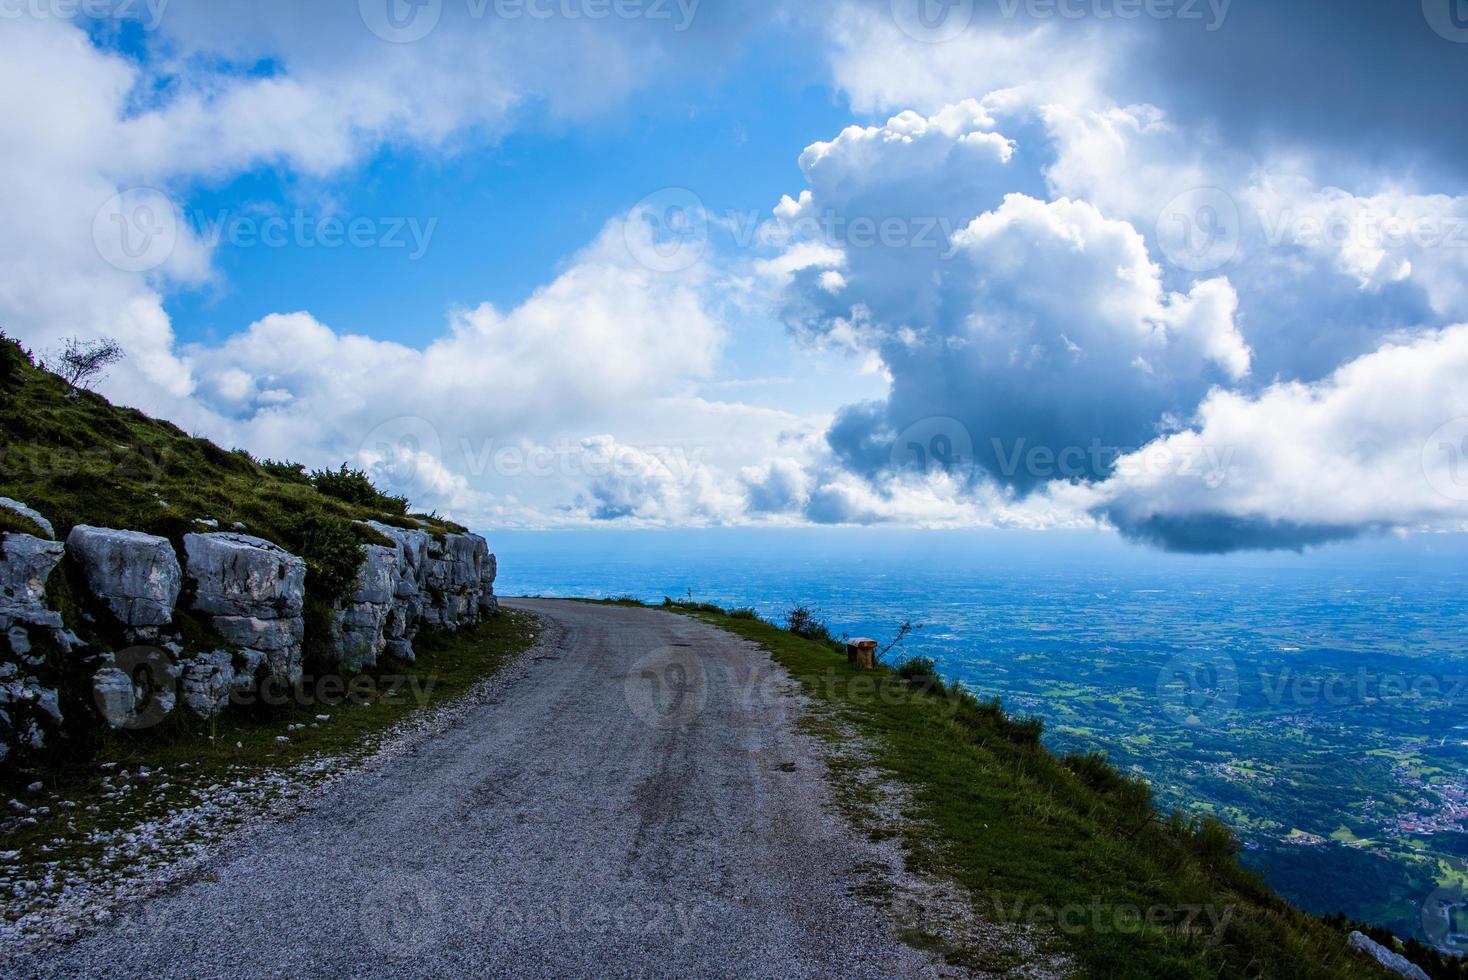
78,459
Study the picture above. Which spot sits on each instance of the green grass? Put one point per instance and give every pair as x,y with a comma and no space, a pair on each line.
1048,840
78,459
189,753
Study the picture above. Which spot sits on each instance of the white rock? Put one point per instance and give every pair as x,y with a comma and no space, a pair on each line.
443,584
1392,961
136,575
255,591
207,681
33,515
124,703
239,575
360,627
26,563
113,692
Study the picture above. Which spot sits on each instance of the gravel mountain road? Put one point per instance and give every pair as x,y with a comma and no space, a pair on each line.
635,800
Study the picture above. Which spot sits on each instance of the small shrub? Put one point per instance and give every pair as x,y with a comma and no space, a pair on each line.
1213,842
12,358
233,460
903,632
690,604
332,551
917,668
806,623
1026,731
80,363
353,487
744,612
1095,770
286,470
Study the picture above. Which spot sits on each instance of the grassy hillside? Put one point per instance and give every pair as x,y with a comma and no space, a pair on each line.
78,459
1070,845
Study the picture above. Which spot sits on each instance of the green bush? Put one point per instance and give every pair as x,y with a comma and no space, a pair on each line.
332,549
12,357
1026,731
806,623
353,487
917,668
286,470
743,613
1214,842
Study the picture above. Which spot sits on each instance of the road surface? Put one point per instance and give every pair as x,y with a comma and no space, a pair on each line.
635,801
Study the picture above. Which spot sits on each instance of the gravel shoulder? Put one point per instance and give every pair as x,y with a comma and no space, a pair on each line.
635,798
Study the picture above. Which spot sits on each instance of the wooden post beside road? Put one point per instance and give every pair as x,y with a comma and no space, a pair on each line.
862,652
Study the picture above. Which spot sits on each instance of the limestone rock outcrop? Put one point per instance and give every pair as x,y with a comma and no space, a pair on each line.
255,593
250,591
135,575
207,681
409,595
28,708
33,516
26,564
362,622
1395,962
438,582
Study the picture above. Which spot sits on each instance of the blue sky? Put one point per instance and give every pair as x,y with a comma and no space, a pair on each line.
510,213
1188,273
